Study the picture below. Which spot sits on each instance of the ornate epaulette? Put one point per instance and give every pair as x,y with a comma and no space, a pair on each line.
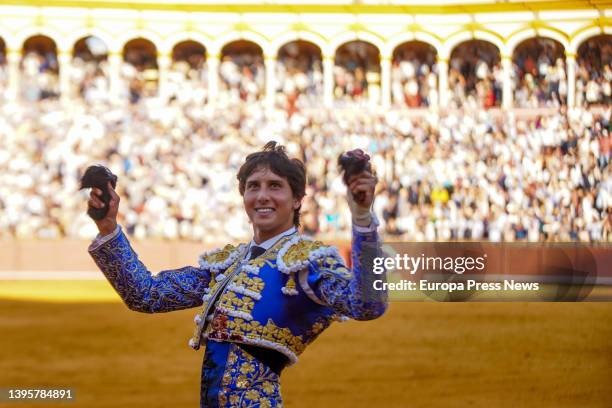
220,259
295,255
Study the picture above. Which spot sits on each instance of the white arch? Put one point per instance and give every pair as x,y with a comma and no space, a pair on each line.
521,36
169,43
21,38
401,38
291,36
120,42
454,40
555,35
8,40
518,38
349,36
86,32
582,36
232,36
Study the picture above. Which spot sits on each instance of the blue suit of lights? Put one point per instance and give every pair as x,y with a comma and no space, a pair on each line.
280,301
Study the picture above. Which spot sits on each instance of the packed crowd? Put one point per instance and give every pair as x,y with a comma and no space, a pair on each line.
414,80
299,77
540,74
242,78
475,76
3,68
357,74
462,176
39,76
594,72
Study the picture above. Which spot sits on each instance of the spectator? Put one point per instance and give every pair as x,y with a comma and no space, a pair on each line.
546,178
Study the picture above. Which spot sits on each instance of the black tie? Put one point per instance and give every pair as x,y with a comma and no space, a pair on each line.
256,251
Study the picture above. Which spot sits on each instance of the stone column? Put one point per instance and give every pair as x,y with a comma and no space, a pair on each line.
507,96
328,80
164,60
13,59
443,92
270,65
115,59
212,62
385,81
64,60
570,66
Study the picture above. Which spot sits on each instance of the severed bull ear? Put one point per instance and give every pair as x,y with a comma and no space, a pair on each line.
354,162
98,176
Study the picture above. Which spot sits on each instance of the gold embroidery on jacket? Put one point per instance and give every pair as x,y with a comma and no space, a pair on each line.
247,382
220,255
300,251
253,332
254,283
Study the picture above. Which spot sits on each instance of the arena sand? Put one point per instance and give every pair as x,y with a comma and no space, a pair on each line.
418,355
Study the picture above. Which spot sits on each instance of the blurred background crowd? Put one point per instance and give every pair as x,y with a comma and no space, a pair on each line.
470,173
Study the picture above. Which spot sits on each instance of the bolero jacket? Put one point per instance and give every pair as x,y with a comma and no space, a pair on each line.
281,300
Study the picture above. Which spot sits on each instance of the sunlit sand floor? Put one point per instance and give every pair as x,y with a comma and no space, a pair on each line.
420,354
